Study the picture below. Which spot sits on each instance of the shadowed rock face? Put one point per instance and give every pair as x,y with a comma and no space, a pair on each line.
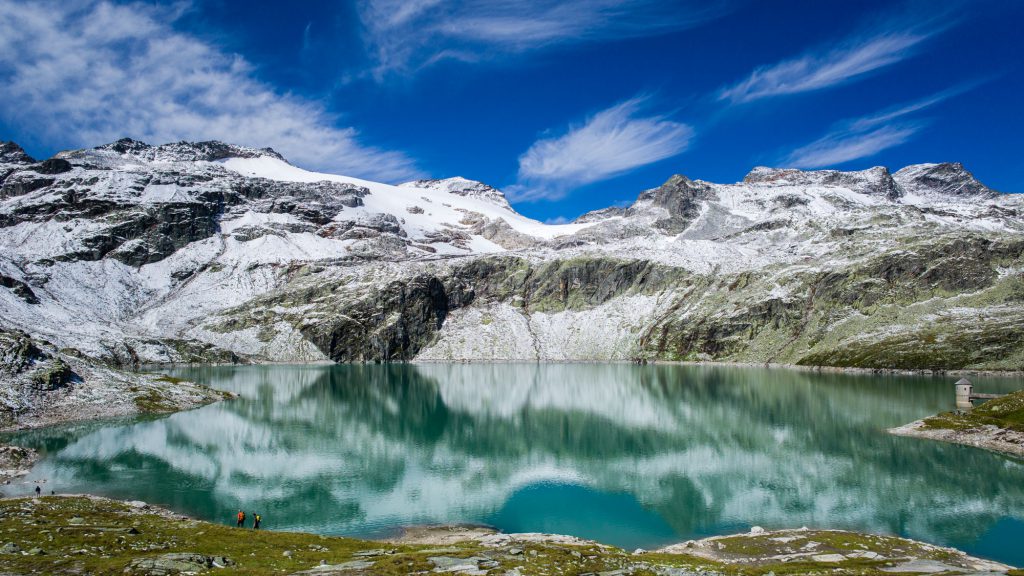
401,317
680,197
19,289
52,166
12,159
29,370
11,153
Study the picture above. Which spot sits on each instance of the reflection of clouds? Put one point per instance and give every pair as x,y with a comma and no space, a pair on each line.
507,391
701,447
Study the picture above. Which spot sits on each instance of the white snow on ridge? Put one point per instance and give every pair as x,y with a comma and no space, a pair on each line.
444,209
785,225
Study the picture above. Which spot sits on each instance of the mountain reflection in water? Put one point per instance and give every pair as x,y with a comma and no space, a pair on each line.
628,455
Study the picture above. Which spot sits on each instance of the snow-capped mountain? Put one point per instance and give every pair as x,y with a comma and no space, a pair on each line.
130,254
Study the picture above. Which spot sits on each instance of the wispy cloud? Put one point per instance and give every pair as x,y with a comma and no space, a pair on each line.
82,72
557,220
611,142
844,146
816,70
866,136
406,35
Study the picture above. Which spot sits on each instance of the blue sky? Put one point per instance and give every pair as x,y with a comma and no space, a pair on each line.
568,106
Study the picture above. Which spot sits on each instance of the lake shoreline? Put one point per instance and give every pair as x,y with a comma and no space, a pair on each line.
996,425
106,535
156,368
174,395
991,438
160,399
713,363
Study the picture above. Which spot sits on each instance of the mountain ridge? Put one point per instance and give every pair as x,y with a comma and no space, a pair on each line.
131,254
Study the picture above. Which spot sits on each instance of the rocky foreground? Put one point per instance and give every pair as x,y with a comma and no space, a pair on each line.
90,535
996,425
42,385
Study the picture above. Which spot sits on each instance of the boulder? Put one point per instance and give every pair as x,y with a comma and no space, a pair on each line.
175,563
10,548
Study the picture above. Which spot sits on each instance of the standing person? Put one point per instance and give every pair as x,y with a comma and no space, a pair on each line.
241,519
256,519
38,490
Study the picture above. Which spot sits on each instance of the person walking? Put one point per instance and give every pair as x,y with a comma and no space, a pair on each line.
241,519
256,519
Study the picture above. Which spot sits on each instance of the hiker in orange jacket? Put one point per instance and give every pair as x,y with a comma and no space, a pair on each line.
241,518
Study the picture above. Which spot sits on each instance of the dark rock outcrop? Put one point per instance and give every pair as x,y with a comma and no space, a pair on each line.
681,197
29,370
19,183
11,153
52,166
174,563
391,324
208,151
19,288
152,234
395,321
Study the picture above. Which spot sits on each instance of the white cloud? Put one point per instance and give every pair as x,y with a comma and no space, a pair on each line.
818,70
839,147
85,72
866,136
558,220
609,143
406,35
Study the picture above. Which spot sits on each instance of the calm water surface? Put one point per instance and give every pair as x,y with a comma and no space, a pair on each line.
637,456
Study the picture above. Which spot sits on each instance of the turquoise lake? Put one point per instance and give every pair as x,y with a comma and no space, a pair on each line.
636,456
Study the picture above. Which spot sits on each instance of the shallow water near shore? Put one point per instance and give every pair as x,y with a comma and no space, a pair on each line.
636,456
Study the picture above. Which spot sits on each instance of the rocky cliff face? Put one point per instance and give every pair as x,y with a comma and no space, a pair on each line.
42,385
129,254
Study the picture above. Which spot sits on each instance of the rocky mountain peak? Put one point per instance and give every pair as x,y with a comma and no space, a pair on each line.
462,187
677,192
127,146
183,151
875,181
599,215
11,153
948,178
679,197
12,159
769,175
